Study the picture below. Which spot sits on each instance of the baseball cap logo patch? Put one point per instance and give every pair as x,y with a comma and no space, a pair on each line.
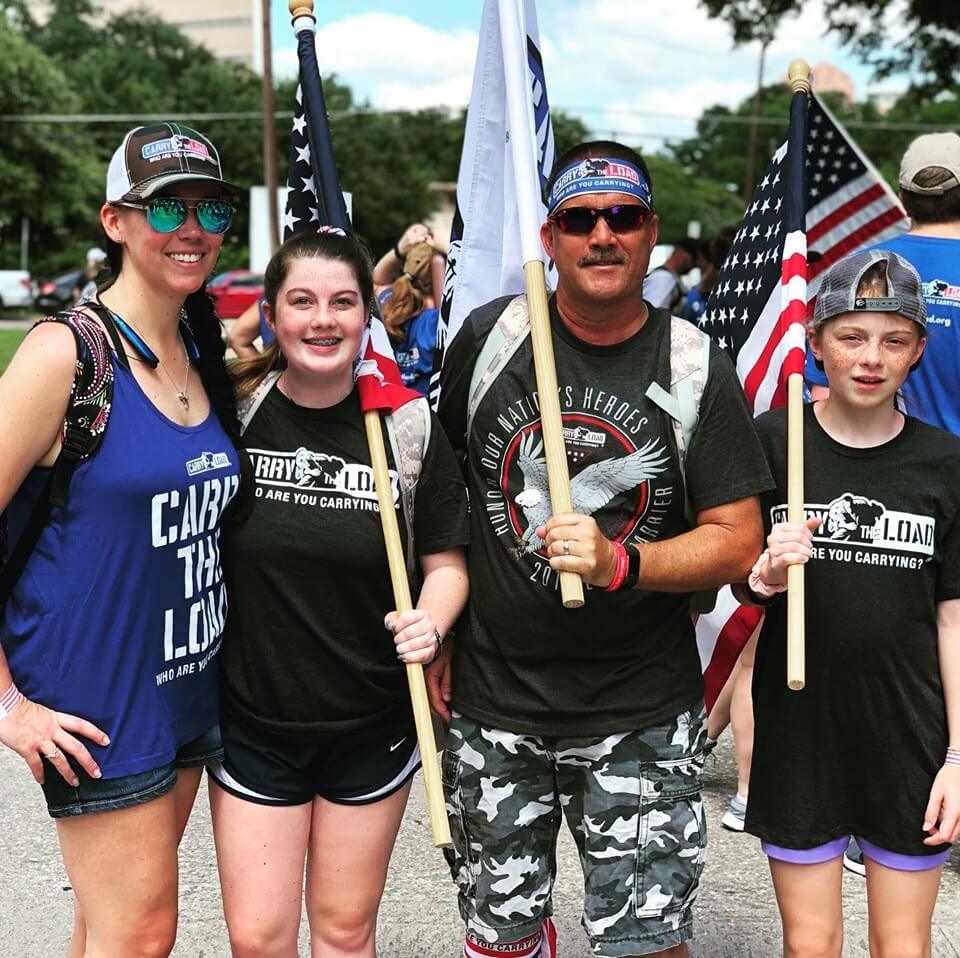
176,145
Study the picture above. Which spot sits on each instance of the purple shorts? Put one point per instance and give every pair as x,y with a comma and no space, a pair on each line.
834,849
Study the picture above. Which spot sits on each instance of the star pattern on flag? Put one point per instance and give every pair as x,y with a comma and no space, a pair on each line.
844,208
302,206
830,164
752,267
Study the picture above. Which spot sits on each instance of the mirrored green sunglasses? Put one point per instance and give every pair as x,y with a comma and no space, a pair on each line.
168,213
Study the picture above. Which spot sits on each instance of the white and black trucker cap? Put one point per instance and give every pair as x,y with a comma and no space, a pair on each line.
152,157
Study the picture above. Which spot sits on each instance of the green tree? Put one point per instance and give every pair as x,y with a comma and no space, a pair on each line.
719,149
47,178
931,31
681,197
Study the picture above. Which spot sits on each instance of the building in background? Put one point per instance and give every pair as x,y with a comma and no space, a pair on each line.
830,79
229,29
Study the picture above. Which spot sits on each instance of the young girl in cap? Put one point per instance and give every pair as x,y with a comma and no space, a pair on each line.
107,674
409,302
318,733
871,746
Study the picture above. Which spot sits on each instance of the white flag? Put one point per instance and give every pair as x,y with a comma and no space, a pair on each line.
485,258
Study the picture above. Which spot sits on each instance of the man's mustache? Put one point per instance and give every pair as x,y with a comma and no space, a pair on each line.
611,258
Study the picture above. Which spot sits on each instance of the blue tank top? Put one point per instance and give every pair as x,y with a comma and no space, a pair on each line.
118,614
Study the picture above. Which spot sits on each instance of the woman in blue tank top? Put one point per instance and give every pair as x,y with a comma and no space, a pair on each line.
109,638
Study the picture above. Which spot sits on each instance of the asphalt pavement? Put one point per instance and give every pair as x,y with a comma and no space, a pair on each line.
736,915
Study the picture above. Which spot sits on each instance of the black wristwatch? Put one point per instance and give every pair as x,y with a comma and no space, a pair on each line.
633,569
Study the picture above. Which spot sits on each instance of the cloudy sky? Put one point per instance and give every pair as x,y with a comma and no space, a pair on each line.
639,68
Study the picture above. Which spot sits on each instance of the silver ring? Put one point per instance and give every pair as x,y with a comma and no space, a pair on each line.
52,755
566,547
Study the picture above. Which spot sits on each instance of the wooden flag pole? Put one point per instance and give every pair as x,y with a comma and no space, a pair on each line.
799,79
302,10
403,602
524,150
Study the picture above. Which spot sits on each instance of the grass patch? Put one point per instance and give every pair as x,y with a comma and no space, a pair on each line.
9,341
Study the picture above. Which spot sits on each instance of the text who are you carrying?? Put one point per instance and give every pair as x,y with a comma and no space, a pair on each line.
135,633
318,731
871,747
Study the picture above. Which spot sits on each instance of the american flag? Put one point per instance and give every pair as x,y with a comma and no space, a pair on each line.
801,219
313,188
846,204
314,200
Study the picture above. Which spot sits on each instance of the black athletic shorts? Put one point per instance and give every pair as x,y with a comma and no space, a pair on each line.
349,768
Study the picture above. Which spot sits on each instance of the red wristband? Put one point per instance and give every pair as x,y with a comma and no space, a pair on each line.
623,564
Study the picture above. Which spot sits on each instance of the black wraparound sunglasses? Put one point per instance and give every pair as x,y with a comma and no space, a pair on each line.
580,220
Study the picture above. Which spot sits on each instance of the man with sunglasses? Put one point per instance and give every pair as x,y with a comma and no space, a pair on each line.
594,714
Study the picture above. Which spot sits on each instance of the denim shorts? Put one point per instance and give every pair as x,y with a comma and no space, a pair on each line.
109,794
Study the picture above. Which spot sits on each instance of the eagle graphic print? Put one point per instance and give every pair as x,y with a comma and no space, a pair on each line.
619,467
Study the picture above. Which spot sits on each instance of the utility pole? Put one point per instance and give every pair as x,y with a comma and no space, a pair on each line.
269,130
750,179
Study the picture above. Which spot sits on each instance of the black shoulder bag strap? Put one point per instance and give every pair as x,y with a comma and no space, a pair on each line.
86,420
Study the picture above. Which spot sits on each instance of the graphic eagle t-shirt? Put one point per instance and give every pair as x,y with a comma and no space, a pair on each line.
625,660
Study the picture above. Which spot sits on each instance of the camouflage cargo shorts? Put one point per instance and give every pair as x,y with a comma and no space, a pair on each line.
632,801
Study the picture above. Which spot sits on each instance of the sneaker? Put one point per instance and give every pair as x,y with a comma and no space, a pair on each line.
853,859
736,814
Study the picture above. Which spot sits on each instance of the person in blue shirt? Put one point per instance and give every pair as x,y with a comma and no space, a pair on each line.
930,193
110,636
409,303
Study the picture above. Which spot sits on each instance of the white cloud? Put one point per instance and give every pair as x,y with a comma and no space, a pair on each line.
661,112
622,65
393,60
405,95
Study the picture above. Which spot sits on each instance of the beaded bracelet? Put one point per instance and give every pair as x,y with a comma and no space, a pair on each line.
953,757
9,700
623,564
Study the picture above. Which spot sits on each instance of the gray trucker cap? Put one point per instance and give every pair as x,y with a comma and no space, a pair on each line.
838,290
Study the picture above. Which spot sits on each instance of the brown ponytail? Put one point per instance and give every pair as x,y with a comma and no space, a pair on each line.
405,302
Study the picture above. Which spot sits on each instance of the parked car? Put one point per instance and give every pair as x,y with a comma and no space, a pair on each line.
16,288
57,293
232,292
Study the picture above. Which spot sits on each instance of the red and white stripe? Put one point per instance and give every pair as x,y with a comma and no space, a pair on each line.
776,344
378,376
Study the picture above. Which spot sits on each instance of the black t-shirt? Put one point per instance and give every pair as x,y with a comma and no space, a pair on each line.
625,660
305,649
856,751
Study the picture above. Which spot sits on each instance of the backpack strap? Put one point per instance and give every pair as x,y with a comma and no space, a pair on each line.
408,430
88,412
506,337
247,407
689,368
